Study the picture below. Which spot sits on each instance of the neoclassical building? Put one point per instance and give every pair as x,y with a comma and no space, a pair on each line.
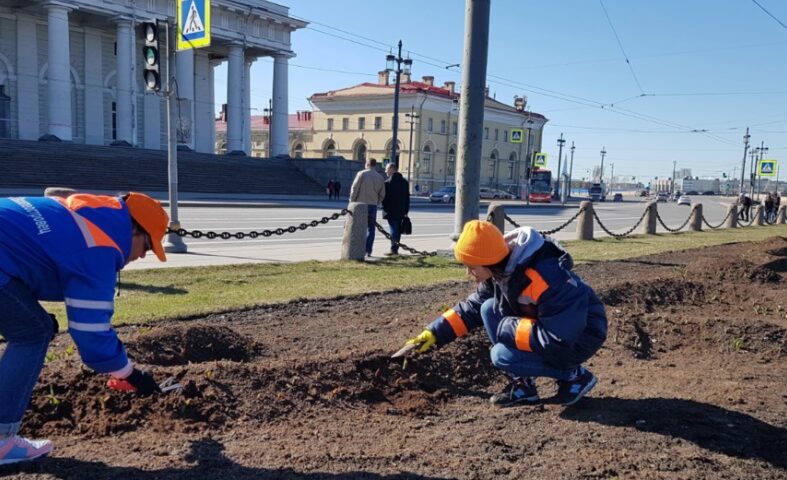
357,123
72,69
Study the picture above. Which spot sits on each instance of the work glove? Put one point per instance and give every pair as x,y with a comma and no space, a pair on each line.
425,340
139,382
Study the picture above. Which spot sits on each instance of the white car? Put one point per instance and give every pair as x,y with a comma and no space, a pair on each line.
684,200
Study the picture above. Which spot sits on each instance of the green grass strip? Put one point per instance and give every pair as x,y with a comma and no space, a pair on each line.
156,294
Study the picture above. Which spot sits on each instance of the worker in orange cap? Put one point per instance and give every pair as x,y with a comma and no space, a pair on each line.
542,319
66,248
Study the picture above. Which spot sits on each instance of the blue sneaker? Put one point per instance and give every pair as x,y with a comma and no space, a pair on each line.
19,449
518,392
570,392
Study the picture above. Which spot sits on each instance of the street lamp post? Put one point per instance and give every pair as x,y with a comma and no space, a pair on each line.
601,173
571,171
560,143
763,150
394,63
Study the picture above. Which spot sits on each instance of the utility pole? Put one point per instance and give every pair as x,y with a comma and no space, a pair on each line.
394,63
601,174
672,187
612,176
560,143
752,156
571,171
743,162
763,151
471,111
412,117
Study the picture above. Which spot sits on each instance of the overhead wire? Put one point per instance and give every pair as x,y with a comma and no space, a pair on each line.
769,14
620,44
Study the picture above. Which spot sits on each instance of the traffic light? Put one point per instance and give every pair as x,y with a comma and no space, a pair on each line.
151,57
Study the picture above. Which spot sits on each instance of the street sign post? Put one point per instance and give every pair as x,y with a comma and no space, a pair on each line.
193,24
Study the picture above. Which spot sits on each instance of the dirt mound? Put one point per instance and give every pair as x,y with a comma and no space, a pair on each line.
180,345
731,269
776,246
655,292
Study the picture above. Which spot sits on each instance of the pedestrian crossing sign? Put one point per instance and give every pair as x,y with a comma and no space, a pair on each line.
516,135
767,168
540,160
193,24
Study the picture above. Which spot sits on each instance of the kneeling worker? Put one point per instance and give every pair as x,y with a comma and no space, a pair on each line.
542,319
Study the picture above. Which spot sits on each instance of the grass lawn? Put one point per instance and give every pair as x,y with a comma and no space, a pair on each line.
156,294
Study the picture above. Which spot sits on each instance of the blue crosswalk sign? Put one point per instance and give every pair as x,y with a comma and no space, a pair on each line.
767,168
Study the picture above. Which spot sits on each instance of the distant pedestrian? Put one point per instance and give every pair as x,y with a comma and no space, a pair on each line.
369,188
330,189
337,188
777,200
768,205
745,202
396,204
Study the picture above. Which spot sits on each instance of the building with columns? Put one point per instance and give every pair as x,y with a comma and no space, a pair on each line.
72,69
357,123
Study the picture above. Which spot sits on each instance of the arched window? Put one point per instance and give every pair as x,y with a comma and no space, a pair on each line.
329,150
360,152
493,164
451,161
298,150
511,165
426,160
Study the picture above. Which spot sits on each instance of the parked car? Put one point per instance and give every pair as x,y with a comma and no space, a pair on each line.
487,193
502,194
692,193
709,192
618,197
684,200
661,197
444,195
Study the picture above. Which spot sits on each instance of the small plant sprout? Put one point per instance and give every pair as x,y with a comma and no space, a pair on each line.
53,400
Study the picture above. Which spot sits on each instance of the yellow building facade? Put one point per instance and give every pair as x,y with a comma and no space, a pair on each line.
357,123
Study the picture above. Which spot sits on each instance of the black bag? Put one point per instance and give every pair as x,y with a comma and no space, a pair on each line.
407,226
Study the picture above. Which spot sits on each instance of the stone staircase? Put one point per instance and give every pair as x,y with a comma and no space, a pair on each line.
32,164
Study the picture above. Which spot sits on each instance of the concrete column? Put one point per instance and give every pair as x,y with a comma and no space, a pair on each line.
781,214
203,104
123,99
246,134
235,99
27,79
497,215
184,75
649,222
585,221
59,71
695,223
732,216
759,215
354,238
94,89
279,127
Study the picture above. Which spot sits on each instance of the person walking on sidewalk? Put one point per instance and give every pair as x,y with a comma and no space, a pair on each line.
542,319
68,249
369,188
396,204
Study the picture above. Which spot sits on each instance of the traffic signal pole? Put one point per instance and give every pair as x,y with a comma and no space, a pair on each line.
174,242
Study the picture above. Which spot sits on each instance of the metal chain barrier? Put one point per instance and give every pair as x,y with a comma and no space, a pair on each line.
729,212
510,220
619,235
254,234
748,223
568,222
401,245
672,230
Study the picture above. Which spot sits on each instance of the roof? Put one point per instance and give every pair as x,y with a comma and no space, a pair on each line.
295,121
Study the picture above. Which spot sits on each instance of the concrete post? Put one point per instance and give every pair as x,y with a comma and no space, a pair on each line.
781,214
649,223
759,215
732,218
279,128
354,238
585,222
498,213
235,99
695,223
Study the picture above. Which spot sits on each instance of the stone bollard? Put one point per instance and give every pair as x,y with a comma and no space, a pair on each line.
759,215
585,221
732,216
497,212
781,215
649,222
695,223
63,192
354,239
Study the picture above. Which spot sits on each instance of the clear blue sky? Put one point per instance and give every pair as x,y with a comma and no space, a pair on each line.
716,66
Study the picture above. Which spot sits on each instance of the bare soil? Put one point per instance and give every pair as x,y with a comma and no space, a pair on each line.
692,384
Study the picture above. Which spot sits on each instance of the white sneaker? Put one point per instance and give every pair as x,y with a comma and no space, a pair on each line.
19,449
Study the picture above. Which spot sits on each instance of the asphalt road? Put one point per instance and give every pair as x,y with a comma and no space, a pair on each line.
432,224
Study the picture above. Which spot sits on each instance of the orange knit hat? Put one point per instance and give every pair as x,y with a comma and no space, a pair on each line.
481,243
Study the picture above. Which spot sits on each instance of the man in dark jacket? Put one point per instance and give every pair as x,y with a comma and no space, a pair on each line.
396,204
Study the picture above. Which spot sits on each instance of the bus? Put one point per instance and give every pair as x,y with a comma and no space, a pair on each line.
540,186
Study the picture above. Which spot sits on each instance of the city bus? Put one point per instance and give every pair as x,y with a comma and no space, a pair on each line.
540,186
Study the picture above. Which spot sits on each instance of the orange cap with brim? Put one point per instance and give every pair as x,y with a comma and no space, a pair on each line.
149,214
480,243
